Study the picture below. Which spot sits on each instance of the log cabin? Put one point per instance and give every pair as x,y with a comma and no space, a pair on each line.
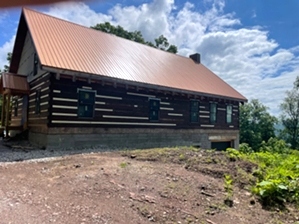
73,86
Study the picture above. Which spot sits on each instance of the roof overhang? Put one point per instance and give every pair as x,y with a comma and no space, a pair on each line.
137,84
18,45
14,84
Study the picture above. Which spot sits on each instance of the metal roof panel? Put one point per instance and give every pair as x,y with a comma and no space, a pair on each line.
68,46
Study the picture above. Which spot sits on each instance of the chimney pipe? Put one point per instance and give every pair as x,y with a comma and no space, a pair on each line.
195,58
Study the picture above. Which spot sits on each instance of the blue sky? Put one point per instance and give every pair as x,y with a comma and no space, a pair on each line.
252,45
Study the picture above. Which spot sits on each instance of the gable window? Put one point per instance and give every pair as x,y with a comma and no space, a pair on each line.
194,113
35,64
213,113
229,113
86,103
154,108
37,102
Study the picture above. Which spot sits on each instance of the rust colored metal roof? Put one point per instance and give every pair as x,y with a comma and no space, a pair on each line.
67,46
15,83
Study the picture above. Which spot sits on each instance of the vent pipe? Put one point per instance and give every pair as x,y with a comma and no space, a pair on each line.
195,58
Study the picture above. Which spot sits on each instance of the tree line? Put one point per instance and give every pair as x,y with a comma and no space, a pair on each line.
160,42
258,126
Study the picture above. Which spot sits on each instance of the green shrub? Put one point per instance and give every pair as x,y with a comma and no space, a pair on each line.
278,175
233,154
274,145
245,148
228,185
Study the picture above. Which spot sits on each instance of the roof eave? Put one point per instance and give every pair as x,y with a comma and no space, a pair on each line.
18,45
139,84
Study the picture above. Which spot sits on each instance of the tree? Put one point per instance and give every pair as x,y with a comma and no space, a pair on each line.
161,42
290,115
8,58
6,67
256,124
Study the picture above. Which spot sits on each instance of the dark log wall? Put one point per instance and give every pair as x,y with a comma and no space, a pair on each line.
124,106
17,101
42,85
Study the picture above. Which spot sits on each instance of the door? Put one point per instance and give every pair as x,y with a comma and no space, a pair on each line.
221,145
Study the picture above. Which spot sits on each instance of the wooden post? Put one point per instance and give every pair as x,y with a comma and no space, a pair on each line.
7,113
3,110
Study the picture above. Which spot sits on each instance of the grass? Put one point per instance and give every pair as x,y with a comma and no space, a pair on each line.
123,165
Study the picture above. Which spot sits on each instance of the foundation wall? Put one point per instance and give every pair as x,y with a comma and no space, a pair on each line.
64,138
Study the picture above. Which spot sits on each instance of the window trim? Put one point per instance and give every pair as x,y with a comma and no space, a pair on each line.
35,64
37,101
86,104
213,121
16,107
151,109
231,115
195,111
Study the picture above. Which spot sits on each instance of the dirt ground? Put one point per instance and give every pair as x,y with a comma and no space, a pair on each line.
145,186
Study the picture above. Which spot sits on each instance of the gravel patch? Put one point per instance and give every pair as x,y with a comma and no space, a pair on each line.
12,152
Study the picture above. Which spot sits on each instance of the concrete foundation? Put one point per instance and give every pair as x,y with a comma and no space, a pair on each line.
64,138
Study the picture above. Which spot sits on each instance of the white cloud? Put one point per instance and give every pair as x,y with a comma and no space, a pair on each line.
246,58
3,15
77,12
295,49
152,19
253,14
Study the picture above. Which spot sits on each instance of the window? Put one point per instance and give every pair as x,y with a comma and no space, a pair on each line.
37,102
15,106
35,64
229,113
86,102
213,112
194,113
154,108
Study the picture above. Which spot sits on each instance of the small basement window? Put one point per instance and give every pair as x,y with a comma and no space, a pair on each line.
35,64
154,108
37,102
194,112
229,114
213,113
86,103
